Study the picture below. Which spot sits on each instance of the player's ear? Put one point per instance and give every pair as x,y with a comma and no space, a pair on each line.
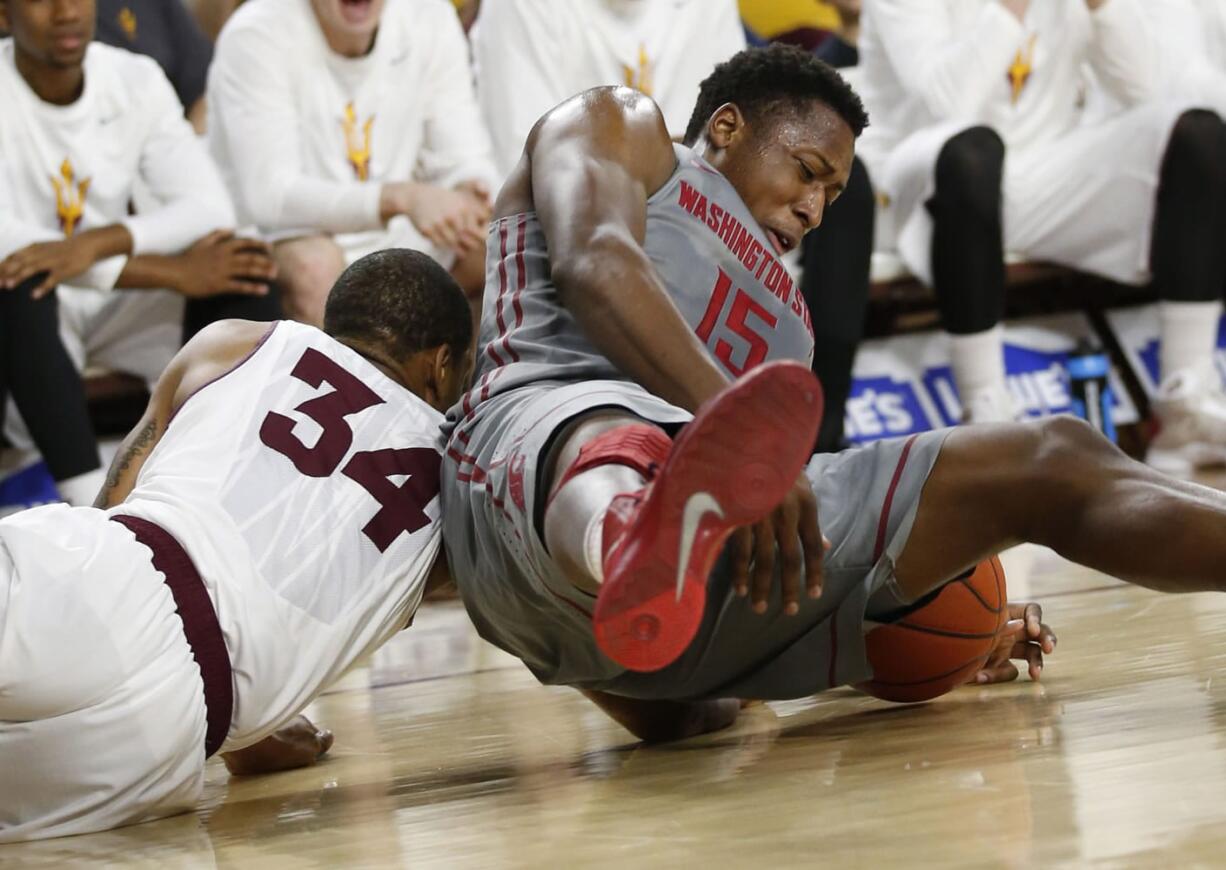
438,376
4,17
443,361
725,125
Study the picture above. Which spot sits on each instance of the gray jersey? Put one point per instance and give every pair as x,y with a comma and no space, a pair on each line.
538,371
716,264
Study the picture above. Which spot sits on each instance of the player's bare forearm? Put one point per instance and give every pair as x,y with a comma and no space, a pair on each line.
594,162
662,721
127,462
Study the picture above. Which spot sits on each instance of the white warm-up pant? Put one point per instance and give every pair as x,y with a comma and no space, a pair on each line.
1084,200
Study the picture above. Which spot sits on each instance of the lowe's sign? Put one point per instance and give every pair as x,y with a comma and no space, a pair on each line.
904,384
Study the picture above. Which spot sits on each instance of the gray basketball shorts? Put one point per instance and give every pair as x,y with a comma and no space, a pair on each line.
493,496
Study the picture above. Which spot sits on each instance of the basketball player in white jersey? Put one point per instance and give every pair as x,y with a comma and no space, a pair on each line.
982,145
634,279
346,127
531,55
272,519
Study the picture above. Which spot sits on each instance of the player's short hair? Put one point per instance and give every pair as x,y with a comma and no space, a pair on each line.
402,300
760,81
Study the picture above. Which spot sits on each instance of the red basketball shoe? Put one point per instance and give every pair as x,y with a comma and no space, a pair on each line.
730,467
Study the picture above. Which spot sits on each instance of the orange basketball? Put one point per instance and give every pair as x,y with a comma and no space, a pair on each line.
940,645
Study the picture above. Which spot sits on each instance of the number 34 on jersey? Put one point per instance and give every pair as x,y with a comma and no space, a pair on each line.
395,509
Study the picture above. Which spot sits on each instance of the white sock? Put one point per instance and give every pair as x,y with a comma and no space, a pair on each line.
82,489
1188,335
593,545
978,361
574,520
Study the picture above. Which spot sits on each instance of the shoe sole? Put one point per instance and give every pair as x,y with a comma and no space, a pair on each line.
745,449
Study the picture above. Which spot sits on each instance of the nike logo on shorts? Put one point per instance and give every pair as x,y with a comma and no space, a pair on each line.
696,507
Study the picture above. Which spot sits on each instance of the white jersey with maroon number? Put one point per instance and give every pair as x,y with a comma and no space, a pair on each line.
304,484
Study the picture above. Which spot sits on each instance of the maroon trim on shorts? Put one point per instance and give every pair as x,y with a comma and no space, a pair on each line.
879,548
200,625
259,344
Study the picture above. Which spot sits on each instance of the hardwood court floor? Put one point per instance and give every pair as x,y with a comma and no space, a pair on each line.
448,754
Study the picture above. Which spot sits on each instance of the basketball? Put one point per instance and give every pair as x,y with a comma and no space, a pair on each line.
940,645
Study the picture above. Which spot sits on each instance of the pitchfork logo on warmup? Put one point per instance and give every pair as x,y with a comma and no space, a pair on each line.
357,144
69,197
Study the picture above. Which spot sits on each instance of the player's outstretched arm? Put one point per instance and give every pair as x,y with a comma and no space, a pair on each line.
594,161
661,721
211,353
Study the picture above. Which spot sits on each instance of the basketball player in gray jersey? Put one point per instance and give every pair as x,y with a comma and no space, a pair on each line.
629,282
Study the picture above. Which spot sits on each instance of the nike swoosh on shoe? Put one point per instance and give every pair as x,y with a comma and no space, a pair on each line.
697,506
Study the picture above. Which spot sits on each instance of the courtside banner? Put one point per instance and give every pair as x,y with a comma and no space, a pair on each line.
1137,331
25,482
904,384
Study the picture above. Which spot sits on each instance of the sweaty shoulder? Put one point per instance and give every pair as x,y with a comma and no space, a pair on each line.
616,126
212,352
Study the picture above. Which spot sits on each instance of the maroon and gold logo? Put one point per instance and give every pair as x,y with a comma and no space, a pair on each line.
69,197
127,23
639,79
1021,69
357,145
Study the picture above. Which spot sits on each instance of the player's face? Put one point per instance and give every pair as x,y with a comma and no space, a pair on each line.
350,19
52,33
787,167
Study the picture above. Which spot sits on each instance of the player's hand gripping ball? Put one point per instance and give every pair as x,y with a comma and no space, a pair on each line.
940,645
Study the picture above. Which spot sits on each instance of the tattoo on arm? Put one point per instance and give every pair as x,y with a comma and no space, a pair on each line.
127,454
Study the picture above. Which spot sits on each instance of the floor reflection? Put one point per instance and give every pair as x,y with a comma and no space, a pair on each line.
449,754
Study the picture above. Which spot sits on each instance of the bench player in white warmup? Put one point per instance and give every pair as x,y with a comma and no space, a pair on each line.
273,518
